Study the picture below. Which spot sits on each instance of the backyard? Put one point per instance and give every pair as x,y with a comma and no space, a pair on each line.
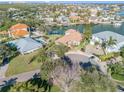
23,63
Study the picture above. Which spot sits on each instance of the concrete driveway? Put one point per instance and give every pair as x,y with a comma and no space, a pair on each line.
78,56
18,78
4,67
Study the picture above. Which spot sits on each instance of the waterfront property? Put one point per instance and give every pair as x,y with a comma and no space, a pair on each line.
95,28
18,30
26,45
71,38
104,36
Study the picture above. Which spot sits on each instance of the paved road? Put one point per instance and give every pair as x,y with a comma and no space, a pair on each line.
3,70
18,78
4,67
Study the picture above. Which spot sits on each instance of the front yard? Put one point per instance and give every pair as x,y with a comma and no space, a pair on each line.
23,63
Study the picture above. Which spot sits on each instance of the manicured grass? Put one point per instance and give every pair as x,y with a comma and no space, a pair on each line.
53,37
55,89
118,77
23,63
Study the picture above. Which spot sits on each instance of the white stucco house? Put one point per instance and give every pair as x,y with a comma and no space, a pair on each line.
105,35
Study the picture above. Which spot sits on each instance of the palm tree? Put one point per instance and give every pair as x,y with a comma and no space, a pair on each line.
108,43
88,32
104,46
111,41
122,52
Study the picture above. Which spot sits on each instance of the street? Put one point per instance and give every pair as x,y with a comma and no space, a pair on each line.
18,78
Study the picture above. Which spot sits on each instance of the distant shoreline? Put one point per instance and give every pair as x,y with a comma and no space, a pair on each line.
62,2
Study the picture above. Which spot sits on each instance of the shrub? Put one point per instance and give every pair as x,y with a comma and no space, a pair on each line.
109,56
118,77
116,54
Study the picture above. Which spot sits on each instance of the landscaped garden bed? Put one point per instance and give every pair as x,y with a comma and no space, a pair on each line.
108,56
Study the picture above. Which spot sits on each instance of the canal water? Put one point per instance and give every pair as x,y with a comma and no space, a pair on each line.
95,28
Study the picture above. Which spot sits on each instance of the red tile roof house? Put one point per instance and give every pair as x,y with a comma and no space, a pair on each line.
18,30
71,38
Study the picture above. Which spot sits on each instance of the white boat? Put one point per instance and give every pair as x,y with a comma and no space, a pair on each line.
117,24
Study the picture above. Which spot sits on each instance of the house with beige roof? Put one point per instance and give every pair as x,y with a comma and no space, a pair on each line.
71,38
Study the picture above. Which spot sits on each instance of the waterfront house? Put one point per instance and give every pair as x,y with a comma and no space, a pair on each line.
71,38
19,30
104,36
26,45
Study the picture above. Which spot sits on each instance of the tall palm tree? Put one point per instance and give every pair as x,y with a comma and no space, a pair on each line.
108,43
88,32
104,46
111,41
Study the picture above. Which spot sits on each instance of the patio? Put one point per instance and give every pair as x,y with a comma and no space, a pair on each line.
93,49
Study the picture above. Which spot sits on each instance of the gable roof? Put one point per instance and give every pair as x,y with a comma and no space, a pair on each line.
70,35
27,44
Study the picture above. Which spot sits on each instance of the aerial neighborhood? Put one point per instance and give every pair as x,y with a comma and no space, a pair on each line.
61,47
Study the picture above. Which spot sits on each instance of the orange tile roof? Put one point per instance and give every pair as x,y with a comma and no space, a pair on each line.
18,26
71,35
19,33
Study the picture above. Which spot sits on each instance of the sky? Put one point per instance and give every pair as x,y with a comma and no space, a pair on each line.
62,0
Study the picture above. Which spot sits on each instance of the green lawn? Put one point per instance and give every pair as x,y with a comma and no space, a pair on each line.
23,63
55,89
118,77
53,37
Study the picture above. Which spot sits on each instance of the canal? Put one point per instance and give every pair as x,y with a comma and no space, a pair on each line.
95,28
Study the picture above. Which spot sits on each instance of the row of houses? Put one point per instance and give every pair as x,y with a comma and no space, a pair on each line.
22,40
26,44
74,38
68,14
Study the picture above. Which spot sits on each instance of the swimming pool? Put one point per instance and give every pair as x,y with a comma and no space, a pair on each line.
41,40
